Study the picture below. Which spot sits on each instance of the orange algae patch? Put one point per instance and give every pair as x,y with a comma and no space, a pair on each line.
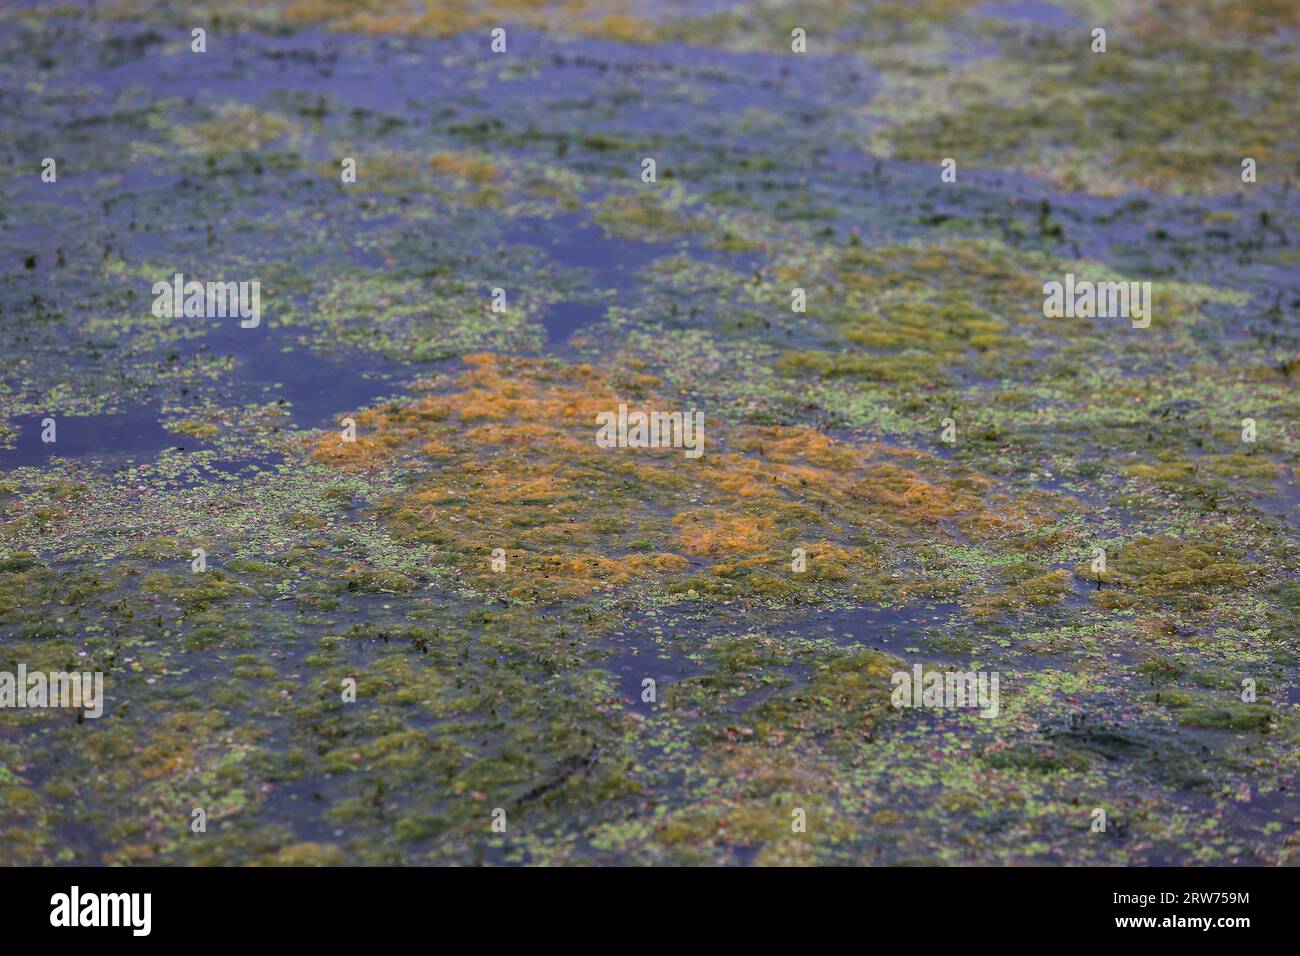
467,166
706,534
508,460
445,18
615,26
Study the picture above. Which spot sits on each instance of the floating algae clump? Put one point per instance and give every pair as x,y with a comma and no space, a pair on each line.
508,461
1161,569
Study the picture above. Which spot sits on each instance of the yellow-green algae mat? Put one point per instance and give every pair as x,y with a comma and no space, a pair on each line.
475,634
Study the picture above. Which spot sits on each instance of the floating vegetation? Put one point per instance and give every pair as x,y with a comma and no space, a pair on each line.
365,584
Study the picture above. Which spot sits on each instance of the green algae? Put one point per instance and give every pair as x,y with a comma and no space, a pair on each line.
479,689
